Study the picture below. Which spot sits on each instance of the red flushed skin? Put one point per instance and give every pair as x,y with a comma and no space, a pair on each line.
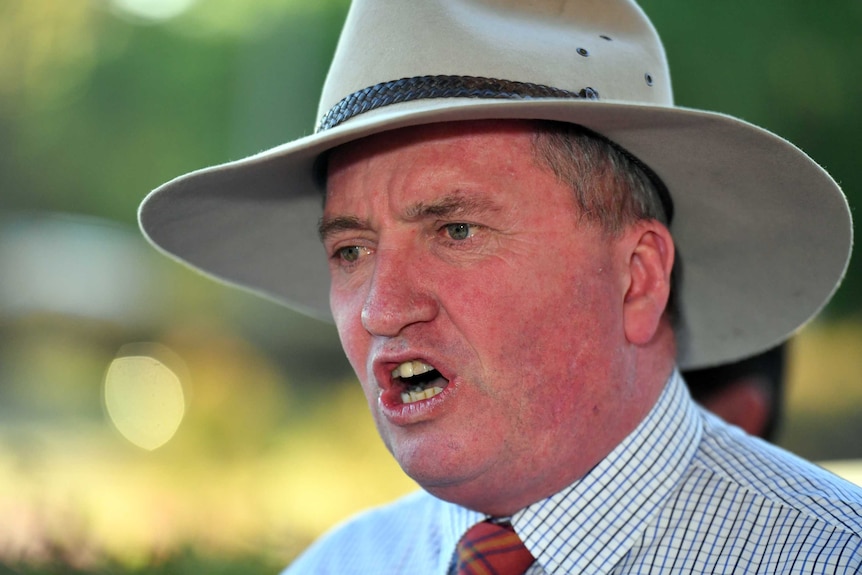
451,245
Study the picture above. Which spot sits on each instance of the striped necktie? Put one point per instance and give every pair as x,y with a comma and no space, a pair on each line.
491,549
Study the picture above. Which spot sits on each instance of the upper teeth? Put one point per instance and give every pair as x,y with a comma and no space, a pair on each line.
411,368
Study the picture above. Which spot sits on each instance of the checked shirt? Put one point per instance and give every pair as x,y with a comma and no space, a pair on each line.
684,493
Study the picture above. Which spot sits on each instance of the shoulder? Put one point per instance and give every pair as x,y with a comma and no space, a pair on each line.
763,498
378,540
781,478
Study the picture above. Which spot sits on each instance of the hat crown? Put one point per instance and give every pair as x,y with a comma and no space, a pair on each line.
607,45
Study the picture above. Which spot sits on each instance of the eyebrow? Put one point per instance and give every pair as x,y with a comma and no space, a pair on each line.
330,226
454,204
450,205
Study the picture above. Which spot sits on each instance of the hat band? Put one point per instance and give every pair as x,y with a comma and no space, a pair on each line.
424,87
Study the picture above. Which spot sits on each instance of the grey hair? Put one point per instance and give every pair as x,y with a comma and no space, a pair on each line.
610,186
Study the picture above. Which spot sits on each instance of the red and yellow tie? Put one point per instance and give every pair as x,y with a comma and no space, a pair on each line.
492,549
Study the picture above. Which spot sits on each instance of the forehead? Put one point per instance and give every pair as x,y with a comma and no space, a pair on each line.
483,170
444,146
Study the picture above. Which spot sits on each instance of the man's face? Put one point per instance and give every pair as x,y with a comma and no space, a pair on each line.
453,253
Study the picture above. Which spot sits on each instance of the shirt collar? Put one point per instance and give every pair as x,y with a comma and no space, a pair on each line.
589,526
456,523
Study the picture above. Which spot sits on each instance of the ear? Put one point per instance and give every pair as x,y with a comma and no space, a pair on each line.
650,253
745,403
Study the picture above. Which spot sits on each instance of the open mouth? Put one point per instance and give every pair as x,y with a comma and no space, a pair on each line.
419,380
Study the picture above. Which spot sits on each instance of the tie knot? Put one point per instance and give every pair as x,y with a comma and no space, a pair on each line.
492,549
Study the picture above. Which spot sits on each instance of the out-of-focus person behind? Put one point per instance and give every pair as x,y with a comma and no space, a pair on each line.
748,393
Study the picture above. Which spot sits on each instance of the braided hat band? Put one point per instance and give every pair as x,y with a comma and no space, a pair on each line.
425,87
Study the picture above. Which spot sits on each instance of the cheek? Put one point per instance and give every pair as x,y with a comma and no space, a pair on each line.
356,347
346,310
560,331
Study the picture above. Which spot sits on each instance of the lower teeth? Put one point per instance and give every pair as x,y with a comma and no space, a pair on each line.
413,395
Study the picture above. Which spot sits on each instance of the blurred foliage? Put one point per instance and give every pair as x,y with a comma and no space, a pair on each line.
96,110
103,100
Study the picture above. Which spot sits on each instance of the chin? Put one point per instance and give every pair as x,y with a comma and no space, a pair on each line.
436,470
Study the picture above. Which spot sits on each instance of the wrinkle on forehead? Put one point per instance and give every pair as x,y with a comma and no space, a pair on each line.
453,204
467,142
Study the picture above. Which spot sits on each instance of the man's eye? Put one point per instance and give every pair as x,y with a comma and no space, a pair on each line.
459,231
349,254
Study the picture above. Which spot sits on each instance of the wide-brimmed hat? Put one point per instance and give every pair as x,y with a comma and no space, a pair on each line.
763,232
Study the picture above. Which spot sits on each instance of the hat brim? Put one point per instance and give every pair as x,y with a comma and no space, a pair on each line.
763,232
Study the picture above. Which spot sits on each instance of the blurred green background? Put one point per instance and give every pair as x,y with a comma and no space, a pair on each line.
258,437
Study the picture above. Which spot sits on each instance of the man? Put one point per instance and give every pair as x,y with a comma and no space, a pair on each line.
522,240
747,393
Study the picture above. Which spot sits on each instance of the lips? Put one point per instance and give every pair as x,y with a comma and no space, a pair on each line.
418,381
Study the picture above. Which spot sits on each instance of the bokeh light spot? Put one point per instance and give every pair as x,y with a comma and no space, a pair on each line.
144,397
154,10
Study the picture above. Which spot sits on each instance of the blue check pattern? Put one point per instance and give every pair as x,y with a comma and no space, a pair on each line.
684,493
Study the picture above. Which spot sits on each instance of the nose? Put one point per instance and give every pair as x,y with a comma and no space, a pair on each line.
398,294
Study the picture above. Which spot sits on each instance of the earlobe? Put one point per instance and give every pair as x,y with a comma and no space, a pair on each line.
650,260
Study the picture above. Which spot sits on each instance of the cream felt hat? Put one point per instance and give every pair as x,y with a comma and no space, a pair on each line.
764,234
